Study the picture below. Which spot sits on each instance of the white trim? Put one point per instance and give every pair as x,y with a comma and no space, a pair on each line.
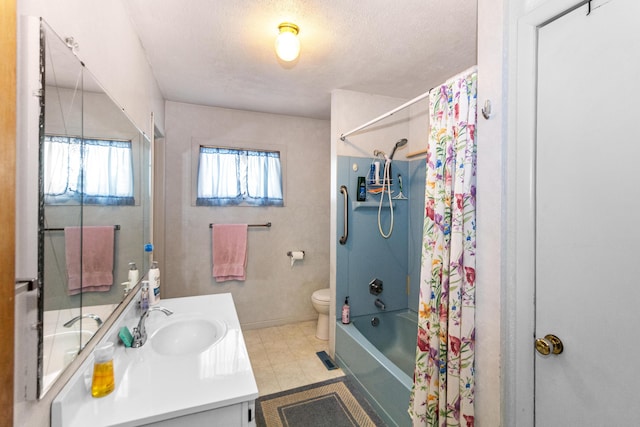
521,260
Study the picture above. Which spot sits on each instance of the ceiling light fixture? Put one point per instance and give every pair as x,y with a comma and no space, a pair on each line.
287,43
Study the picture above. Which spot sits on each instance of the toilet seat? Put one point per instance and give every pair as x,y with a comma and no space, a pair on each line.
322,296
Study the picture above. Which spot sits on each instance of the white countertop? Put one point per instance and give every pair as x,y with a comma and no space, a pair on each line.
151,387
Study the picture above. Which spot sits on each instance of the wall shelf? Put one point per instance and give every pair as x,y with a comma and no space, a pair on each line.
370,204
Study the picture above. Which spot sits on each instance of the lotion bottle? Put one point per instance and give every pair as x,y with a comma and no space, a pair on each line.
154,283
133,275
144,296
345,311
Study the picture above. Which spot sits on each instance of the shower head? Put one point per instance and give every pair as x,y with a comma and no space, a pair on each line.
400,143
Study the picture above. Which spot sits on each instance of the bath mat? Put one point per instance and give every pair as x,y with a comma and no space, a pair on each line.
327,360
332,403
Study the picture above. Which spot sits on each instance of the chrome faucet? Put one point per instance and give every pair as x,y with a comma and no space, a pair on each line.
375,287
139,332
88,315
380,304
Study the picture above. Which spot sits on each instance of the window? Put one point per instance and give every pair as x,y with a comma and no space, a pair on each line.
91,171
228,176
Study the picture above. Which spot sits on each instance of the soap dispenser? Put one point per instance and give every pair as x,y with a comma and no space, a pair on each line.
103,381
345,311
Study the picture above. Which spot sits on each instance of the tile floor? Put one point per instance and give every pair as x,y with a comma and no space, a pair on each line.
284,357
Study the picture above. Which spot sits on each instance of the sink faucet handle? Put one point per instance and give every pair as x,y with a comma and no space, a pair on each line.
140,332
375,287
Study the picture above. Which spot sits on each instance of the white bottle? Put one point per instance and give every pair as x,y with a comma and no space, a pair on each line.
134,275
144,296
154,283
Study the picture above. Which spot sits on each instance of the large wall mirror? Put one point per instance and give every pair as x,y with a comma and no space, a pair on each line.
95,207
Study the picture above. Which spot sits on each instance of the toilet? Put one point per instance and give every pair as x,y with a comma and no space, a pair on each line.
321,300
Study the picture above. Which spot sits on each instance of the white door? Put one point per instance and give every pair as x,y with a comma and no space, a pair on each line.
588,217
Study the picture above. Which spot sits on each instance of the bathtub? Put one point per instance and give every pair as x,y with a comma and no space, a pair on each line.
380,360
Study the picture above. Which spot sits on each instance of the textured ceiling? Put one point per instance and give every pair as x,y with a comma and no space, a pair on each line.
220,52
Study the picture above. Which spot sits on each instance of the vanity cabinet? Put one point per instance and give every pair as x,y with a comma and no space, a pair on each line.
213,386
241,414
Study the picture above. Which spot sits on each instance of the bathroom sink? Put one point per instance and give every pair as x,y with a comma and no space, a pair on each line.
187,336
59,350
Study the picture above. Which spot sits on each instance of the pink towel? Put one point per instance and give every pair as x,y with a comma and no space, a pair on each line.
97,258
229,251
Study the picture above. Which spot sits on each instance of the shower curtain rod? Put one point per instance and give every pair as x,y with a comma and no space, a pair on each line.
387,114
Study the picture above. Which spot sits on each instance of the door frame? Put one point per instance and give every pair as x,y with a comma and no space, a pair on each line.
519,385
7,198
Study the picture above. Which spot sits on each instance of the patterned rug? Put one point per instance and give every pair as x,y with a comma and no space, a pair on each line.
333,403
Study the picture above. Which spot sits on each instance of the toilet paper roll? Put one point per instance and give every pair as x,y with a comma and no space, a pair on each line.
296,255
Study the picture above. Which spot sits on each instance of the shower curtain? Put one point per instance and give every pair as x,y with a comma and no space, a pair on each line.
443,389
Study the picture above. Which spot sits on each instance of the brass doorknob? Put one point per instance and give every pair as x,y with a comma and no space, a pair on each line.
549,344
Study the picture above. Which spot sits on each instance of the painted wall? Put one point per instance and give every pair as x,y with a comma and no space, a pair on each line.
274,292
491,341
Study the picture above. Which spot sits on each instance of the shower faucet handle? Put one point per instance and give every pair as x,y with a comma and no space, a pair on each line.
375,287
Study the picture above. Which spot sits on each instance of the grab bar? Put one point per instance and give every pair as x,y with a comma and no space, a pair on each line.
345,235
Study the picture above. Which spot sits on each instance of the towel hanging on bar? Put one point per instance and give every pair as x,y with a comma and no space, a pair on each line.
229,249
94,247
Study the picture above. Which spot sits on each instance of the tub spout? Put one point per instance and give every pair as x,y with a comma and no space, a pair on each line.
380,304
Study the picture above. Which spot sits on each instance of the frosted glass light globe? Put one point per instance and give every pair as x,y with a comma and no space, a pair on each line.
287,43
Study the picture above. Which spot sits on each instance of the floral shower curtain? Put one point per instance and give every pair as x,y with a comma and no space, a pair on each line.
443,389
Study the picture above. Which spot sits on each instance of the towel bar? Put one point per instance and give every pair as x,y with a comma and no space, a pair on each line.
116,227
268,224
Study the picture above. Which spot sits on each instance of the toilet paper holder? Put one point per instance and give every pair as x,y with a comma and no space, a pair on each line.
295,255
290,253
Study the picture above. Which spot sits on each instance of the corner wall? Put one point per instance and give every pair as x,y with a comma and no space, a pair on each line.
274,292
491,215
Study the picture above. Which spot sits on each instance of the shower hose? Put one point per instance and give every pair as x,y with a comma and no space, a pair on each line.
386,182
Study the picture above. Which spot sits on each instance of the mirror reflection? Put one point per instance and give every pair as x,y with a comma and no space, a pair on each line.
94,205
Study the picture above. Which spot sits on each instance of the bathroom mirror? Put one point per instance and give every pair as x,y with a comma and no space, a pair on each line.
95,174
